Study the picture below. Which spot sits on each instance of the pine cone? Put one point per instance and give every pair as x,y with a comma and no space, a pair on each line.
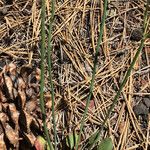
19,92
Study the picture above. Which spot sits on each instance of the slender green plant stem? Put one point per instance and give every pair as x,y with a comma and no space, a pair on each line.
42,104
127,74
49,51
130,68
94,71
124,81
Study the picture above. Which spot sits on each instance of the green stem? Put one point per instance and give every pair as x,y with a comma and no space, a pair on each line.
127,74
94,71
130,68
42,104
124,81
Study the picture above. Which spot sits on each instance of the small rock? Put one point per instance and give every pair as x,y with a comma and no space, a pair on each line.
140,109
146,101
136,35
4,10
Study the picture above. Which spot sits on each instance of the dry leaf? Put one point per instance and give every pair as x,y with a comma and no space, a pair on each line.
12,69
25,71
17,116
2,143
29,92
12,135
30,106
22,97
48,100
21,83
15,93
21,92
4,106
30,137
40,143
28,119
2,97
9,85
3,118
0,107
14,114
1,79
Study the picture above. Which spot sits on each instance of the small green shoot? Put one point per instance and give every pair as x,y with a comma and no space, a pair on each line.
41,144
71,140
106,144
93,138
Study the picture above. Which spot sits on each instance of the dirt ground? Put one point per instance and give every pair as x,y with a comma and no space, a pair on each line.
75,33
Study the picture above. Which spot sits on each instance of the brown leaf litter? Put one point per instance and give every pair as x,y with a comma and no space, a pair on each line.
18,106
